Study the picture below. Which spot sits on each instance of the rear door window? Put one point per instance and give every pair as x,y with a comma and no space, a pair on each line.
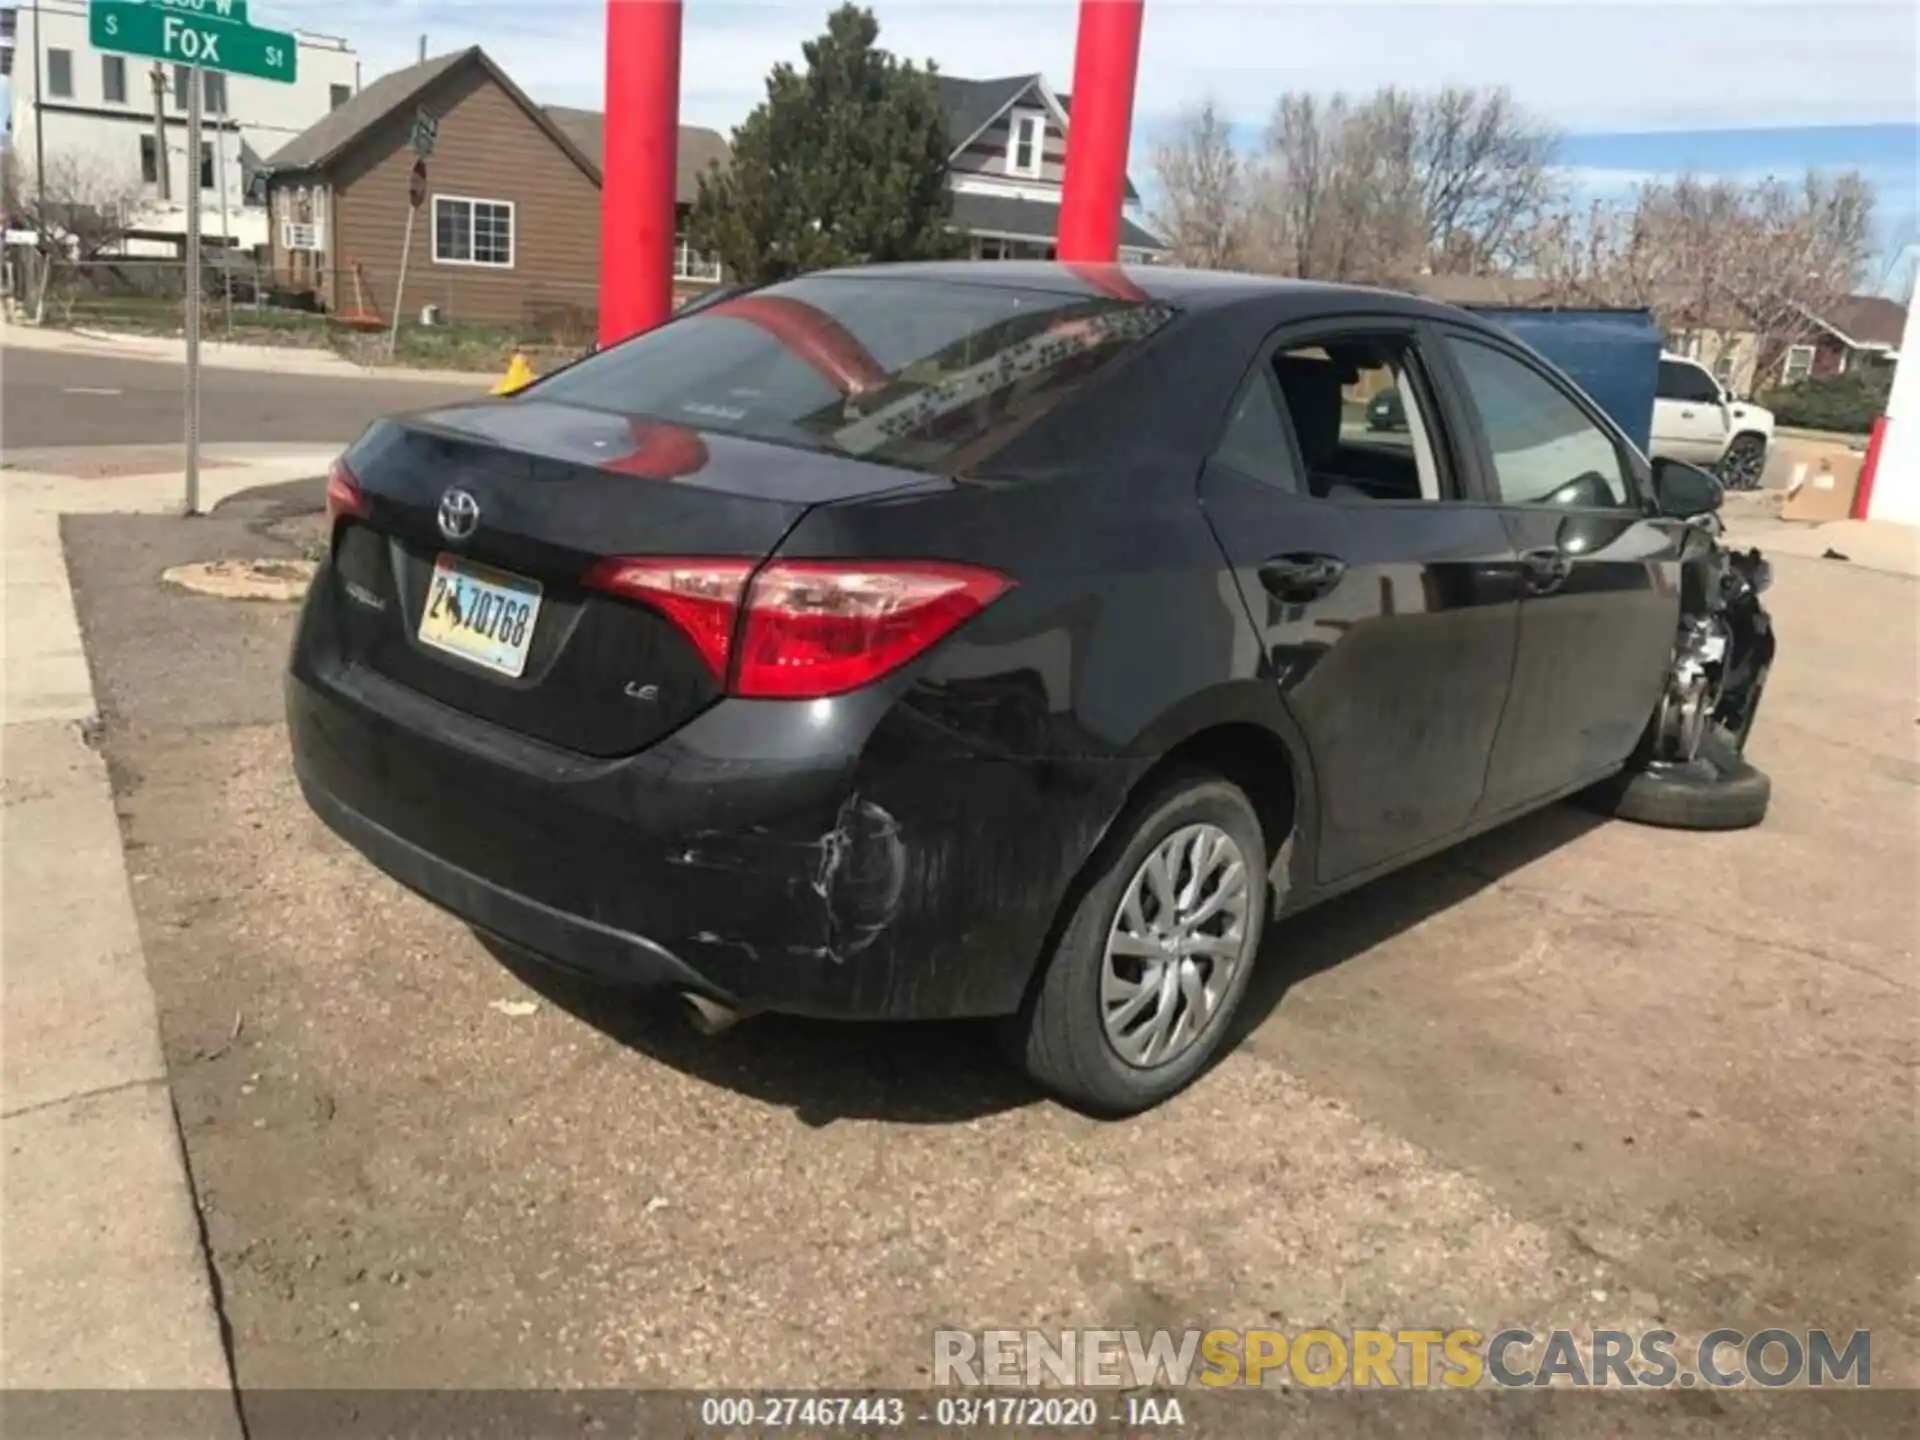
1357,412
932,374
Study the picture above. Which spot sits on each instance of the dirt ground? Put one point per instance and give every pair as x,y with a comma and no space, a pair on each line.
1574,1074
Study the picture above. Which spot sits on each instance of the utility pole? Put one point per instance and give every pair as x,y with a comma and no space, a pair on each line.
39,131
226,233
161,168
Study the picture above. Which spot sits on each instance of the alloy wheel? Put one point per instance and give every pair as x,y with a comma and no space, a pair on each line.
1177,941
1742,467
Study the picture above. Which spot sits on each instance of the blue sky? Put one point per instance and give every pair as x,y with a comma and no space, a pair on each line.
1641,87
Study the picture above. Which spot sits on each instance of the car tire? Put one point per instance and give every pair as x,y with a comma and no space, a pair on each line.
1061,1035
1717,790
1745,462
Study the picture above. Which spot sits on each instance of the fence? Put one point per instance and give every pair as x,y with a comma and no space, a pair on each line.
138,293
466,317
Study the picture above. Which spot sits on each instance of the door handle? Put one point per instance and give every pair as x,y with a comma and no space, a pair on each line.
1299,578
1546,569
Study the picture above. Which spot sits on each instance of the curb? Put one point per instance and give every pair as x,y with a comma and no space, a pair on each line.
297,360
109,1282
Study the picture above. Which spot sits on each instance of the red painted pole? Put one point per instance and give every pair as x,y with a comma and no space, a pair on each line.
640,156
1863,493
1106,61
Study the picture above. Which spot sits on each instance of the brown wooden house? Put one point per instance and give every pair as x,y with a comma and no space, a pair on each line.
508,228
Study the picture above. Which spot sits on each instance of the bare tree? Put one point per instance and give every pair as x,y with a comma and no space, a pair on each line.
1481,166
1706,256
1802,248
1202,207
1400,185
82,206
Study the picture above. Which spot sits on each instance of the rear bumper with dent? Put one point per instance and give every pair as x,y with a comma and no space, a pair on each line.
839,858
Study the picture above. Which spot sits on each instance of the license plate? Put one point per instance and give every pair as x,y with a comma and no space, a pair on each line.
483,615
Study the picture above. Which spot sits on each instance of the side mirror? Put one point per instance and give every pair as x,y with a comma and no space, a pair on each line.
1683,491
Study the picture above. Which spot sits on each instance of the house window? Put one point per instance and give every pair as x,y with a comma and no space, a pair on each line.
692,264
472,232
1026,143
338,95
1799,364
60,73
213,90
149,161
206,166
113,79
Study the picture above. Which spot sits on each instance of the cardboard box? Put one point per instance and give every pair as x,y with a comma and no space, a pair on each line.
1822,489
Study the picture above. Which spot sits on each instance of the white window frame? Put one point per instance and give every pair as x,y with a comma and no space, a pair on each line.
513,230
113,65
65,92
1017,120
1787,377
692,264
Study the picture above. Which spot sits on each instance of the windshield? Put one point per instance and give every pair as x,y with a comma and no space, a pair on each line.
932,374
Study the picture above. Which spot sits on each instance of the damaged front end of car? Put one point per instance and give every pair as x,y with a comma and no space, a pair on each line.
1722,654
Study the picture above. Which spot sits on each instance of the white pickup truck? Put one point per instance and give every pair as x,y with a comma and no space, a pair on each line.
1695,419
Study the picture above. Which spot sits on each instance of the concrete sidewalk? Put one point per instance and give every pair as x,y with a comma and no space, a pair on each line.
271,359
1871,544
104,1282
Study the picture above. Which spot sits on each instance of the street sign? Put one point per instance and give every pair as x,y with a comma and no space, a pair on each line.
426,130
417,184
202,35
209,34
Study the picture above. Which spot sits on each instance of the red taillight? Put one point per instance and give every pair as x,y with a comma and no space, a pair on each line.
344,495
823,627
812,627
702,597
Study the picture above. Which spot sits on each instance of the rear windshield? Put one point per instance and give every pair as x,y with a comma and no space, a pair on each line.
932,374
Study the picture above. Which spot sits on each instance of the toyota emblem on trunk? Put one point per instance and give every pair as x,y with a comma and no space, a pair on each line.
459,514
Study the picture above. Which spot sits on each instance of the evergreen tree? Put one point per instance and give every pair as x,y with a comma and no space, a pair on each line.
844,163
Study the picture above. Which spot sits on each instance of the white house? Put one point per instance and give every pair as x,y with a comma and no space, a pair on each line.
91,115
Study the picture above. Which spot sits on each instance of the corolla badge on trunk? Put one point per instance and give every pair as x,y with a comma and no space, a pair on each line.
459,514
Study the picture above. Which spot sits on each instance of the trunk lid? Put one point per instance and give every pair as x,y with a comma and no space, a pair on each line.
493,618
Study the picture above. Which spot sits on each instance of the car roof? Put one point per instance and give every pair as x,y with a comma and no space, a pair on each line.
1189,289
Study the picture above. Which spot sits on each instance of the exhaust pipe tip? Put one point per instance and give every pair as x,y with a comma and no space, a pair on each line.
709,1016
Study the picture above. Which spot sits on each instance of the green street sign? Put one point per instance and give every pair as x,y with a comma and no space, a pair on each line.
209,34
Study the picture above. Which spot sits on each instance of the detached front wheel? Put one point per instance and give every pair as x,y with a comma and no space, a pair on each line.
1716,790
1151,963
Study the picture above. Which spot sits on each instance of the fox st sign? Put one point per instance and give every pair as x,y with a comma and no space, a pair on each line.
208,34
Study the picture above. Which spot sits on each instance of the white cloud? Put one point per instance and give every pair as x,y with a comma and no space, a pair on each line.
1622,66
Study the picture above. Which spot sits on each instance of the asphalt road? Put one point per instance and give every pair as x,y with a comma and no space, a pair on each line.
48,399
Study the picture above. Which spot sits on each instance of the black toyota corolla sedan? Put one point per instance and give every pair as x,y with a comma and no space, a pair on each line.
1005,640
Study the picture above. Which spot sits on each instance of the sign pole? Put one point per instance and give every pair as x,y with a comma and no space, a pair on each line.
406,248
195,86
416,192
